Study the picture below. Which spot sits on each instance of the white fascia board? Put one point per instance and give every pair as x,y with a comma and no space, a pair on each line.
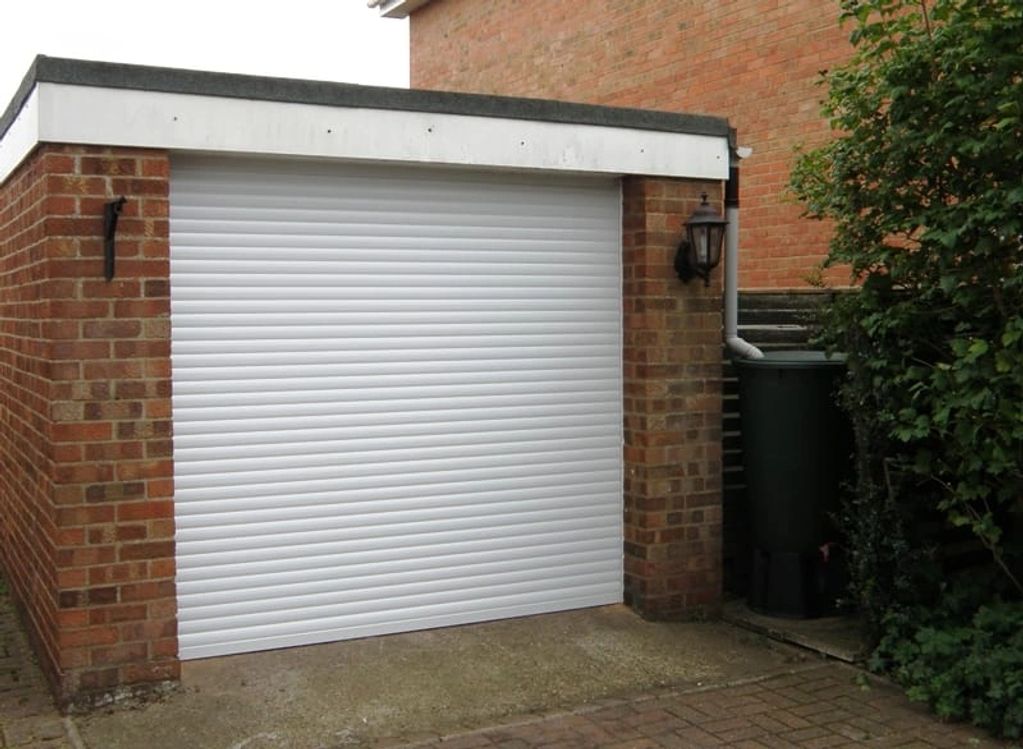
192,122
21,137
399,8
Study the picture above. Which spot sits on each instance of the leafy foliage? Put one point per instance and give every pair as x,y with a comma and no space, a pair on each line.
965,661
924,185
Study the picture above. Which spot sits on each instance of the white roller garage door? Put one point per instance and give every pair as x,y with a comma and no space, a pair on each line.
397,399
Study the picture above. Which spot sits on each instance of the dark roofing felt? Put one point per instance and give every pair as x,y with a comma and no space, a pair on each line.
173,80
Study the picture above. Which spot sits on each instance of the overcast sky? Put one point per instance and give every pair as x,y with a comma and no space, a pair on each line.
334,40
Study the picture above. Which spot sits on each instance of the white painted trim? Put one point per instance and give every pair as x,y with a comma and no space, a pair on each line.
397,8
191,122
21,137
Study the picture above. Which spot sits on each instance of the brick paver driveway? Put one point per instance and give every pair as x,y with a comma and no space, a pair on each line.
825,705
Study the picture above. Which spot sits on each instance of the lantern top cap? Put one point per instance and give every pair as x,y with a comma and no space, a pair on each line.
705,214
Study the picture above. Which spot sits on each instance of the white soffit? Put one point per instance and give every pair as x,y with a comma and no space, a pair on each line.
397,8
68,113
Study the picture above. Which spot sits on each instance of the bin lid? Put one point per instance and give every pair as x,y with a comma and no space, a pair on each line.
794,360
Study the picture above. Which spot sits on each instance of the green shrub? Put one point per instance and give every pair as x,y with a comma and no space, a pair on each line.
922,183
964,667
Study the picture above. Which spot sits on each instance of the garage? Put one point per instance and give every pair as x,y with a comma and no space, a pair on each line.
397,399
286,362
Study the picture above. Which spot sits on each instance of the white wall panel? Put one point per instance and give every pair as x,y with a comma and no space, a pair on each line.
397,399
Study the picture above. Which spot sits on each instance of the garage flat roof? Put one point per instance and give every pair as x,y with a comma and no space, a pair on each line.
186,109
299,91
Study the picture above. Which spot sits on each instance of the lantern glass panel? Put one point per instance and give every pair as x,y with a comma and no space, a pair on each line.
717,235
702,244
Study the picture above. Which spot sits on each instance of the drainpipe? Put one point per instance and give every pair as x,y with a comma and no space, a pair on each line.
733,342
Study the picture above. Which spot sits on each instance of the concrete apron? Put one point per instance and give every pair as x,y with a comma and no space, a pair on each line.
420,685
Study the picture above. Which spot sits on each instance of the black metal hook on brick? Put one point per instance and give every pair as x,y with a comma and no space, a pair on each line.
111,211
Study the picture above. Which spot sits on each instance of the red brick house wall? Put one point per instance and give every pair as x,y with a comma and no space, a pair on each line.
755,62
86,510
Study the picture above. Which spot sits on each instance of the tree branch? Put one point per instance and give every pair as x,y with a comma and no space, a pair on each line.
927,19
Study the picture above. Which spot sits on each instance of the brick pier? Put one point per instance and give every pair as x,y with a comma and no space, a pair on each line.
86,508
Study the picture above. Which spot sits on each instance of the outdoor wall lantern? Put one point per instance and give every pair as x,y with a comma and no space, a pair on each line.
699,252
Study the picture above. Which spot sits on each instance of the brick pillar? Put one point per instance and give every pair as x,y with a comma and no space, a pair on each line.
672,361
110,618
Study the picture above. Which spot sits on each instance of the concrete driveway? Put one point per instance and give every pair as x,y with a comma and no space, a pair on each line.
595,678
427,684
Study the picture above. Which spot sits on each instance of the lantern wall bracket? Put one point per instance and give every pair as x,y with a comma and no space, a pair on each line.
111,212
685,270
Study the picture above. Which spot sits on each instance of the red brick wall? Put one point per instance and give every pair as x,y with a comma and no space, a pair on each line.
672,371
27,513
755,62
85,420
